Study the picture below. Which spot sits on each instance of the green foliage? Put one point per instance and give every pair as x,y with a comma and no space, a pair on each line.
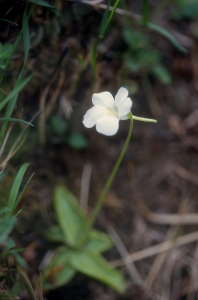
145,12
70,217
58,272
42,3
185,9
13,200
162,74
104,21
15,91
98,242
107,19
77,141
167,35
94,265
59,124
4,53
3,174
74,256
9,21
6,226
74,140
141,57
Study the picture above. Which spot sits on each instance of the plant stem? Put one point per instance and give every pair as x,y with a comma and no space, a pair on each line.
108,184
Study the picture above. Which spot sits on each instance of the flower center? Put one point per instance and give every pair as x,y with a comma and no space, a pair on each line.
113,112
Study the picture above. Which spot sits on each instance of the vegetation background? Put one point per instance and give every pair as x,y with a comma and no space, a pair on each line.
71,50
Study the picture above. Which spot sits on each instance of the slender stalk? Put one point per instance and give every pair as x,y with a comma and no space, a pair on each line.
108,184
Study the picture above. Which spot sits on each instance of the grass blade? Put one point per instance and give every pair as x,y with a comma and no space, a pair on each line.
9,21
145,12
21,194
42,3
110,18
15,187
104,21
11,105
168,35
2,175
15,91
15,120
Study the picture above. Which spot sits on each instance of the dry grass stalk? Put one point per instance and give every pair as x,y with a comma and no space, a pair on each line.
160,248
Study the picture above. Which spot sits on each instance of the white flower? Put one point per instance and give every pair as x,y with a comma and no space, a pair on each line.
107,112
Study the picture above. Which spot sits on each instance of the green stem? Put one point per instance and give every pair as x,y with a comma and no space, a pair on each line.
108,184
144,119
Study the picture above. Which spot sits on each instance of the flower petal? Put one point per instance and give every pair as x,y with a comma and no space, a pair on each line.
121,95
104,99
125,108
107,125
93,115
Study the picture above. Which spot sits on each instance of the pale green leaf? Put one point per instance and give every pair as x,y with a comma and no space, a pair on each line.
98,241
54,234
97,267
70,217
58,272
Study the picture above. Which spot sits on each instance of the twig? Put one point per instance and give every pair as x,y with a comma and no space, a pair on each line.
165,219
55,95
155,269
85,182
182,172
43,99
133,272
17,144
153,250
152,100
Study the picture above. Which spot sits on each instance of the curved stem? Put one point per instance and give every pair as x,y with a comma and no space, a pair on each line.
108,183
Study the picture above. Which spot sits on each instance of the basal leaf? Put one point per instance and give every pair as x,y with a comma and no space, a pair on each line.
98,241
54,234
70,217
94,265
58,272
